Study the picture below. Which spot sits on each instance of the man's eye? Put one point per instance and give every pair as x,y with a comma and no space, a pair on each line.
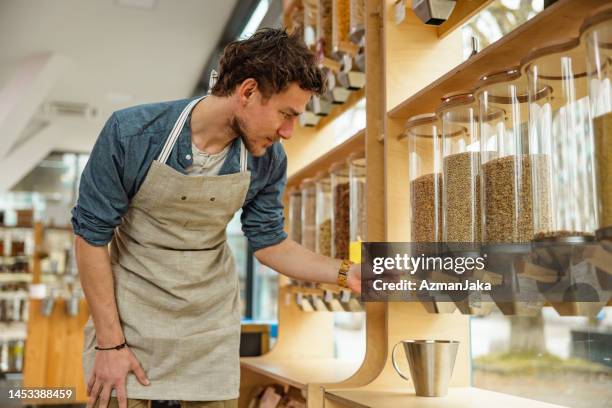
286,115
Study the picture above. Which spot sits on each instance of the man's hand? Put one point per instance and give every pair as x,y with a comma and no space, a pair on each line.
353,278
110,371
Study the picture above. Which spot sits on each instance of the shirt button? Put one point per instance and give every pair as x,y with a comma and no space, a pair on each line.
188,157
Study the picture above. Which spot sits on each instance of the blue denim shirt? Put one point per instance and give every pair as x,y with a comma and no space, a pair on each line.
129,142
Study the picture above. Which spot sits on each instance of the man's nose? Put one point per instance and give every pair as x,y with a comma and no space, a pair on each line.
286,130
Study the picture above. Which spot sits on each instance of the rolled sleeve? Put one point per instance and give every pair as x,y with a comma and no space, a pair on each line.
102,200
263,217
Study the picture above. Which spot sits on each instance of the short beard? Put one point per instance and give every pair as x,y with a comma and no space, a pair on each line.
237,126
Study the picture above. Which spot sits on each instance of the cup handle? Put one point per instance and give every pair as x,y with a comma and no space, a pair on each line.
395,364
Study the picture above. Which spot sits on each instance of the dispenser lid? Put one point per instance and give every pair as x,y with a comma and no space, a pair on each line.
547,59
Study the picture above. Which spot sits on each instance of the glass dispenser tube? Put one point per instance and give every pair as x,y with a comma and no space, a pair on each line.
309,206
341,210
423,133
596,35
357,197
323,214
565,194
460,168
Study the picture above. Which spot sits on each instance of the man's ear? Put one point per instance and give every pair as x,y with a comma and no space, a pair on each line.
246,90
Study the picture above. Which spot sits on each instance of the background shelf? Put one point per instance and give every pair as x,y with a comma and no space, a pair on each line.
559,21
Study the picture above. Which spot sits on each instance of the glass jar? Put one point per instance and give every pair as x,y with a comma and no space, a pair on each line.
357,28
309,205
423,134
340,22
341,210
357,197
560,128
310,22
323,214
460,168
596,35
324,28
295,214
507,164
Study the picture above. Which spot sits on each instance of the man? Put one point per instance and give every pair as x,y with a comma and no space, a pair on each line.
162,182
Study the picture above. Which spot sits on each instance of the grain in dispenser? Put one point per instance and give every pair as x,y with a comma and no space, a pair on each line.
341,209
458,114
358,202
423,134
507,163
323,214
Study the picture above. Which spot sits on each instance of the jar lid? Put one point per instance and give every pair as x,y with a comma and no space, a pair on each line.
504,75
356,159
500,95
321,175
454,99
418,120
307,182
600,15
334,168
547,59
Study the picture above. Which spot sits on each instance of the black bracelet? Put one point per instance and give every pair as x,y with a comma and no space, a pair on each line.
119,347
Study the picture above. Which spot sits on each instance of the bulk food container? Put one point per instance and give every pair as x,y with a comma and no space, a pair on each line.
507,197
565,197
309,205
340,22
324,28
461,201
323,214
423,135
357,29
295,214
507,164
596,35
311,9
341,210
460,168
357,198
561,127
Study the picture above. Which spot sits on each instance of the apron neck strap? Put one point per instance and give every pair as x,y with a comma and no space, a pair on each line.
176,131
243,157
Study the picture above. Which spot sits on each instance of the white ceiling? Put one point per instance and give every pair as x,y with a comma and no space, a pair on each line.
112,56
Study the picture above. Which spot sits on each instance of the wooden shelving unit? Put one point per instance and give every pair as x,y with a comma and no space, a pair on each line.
409,67
53,343
558,22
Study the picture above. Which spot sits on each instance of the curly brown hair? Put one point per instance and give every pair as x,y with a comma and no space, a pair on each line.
272,57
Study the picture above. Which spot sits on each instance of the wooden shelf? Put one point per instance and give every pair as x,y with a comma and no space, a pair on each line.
355,143
13,331
460,397
559,21
301,372
26,277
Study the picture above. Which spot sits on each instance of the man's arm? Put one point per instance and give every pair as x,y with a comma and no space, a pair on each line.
97,282
295,261
101,204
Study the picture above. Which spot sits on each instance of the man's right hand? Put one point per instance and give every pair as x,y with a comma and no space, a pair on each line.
110,371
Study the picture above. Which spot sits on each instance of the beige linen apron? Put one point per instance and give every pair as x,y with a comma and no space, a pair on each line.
176,286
